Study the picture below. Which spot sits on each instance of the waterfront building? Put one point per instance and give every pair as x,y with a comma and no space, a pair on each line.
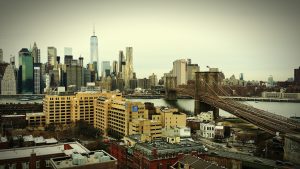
9,81
180,71
37,79
143,83
52,54
36,54
191,69
133,83
153,80
281,95
297,75
1,55
25,72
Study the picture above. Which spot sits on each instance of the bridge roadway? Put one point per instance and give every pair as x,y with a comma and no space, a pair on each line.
267,121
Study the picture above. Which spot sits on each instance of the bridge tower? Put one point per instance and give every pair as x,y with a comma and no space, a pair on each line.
206,83
170,85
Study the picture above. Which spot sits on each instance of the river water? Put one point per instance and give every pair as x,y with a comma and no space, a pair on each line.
282,108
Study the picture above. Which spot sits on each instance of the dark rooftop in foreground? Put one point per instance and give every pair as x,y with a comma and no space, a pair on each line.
162,148
194,162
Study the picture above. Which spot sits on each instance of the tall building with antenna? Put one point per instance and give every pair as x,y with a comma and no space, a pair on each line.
94,60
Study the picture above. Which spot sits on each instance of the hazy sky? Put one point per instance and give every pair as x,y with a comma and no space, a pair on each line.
256,37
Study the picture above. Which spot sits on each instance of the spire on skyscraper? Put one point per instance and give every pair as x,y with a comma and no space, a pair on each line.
94,30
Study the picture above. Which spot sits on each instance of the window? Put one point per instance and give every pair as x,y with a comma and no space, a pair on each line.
13,166
47,163
37,164
25,165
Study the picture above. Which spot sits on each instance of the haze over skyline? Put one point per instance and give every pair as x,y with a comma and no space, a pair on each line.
257,38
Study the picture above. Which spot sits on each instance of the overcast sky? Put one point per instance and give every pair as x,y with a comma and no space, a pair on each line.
255,37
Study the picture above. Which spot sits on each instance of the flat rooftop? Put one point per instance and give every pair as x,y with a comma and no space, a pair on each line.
81,159
43,150
164,148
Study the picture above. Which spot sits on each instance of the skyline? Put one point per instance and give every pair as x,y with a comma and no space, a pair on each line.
255,38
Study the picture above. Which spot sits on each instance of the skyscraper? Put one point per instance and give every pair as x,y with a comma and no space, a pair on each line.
180,71
191,69
9,83
37,79
25,71
297,75
52,53
105,68
115,68
35,52
128,67
94,52
1,55
121,60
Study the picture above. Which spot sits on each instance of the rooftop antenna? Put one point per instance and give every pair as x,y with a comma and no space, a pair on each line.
94,29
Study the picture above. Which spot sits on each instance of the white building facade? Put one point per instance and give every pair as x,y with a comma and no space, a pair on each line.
207,130
8,83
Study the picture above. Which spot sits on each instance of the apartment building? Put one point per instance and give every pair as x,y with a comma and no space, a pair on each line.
66,109
169,117
57,109
35,119
113,114
150,129
83,106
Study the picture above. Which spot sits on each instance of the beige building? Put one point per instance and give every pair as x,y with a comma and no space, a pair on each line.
83,106
66,109
150,129
36,119
57,109
170,117
113,114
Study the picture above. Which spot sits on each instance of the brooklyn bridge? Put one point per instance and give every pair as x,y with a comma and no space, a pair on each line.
207,93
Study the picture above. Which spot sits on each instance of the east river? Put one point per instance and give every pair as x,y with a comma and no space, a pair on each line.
282,108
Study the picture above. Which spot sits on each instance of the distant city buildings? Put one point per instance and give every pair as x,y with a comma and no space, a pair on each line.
36,54
9,81
297,75
52,54
1,55
180,71
94,58
25,72
105,68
